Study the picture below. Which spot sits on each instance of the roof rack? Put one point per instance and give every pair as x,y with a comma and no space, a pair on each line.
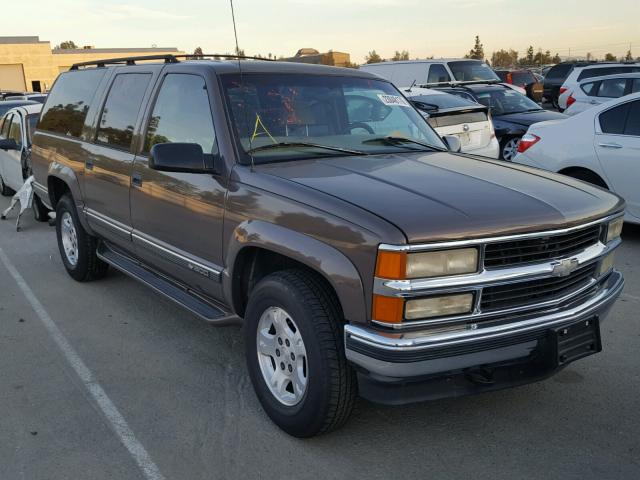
168,58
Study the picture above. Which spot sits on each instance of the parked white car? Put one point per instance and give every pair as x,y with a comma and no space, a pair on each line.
599,90
600,145
580,73
444,71
449,114
16,130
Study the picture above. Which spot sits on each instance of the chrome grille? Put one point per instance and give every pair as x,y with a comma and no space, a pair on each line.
532,292
540,249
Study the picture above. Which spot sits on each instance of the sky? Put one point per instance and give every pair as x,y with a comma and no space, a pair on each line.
423,27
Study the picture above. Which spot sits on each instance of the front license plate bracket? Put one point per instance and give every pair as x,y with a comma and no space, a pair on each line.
577,340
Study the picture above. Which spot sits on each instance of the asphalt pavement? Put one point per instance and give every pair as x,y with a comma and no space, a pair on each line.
108,380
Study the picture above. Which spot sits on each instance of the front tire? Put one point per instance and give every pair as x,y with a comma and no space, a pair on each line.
77,247
295,354
40,212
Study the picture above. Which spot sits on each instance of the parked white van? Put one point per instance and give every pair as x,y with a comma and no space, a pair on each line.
435,72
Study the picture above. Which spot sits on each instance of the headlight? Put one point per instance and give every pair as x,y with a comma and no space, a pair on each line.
606,263
401,265
614,229
438,306
442,263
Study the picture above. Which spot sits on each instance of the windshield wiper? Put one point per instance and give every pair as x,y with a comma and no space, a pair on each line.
272,146
391,140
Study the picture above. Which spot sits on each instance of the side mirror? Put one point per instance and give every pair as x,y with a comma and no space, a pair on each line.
178,157
9,144
453,143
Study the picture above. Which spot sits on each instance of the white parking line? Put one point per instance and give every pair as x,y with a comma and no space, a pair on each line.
117,421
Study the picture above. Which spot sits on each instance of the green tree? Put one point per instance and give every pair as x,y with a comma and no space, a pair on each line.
530,55
67,45
504,59
555,59
628,57
477,52
373,57
403,55
198,53
609,57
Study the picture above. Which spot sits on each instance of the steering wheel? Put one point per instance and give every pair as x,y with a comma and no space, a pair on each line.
362,125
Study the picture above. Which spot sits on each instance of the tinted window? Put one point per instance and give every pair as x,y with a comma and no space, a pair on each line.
559,71
438,74
67,104
505,100
589,88
4,128
523,78
15,130
32,123
121,109
601,72
635,85
613,88
182,114
613,121
443,101
467,71
633,120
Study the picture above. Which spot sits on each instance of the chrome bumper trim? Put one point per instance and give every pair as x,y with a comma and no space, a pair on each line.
417,341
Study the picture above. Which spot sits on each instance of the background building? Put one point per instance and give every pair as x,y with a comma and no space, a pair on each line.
311,55
30,65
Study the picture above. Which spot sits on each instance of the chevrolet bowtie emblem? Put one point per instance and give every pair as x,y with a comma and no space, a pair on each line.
564,267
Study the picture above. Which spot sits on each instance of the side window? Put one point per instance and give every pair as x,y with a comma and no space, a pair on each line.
613,121
121,109
438,74
633,120
635,85
15,129
613,88
2,124
589,88
182,114
68,103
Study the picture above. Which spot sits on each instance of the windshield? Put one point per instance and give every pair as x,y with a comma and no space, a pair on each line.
443,101
502,101
290,117
472,71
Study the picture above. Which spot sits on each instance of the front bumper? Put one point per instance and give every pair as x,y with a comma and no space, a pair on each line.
401,367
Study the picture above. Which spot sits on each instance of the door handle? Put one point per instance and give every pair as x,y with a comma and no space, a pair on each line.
136,179
609,145
88,164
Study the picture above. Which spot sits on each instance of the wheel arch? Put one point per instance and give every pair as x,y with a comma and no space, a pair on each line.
259,248
571,171
62,180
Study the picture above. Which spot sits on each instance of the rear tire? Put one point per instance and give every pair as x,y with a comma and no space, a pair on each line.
328,383
509,148
40,212
4,190
77,247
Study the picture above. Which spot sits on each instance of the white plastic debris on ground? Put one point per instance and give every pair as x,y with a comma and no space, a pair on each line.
25,197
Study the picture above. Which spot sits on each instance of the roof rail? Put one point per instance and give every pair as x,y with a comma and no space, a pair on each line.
168,58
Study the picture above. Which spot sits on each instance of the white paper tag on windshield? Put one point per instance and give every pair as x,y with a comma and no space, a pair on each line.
393,100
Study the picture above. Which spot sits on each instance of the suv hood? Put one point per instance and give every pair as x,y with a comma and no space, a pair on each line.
438,196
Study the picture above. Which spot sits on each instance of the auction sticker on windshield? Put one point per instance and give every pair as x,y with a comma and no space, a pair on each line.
392,100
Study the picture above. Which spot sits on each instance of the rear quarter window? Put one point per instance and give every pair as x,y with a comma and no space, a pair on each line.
559,71
613,120
68,103
589,88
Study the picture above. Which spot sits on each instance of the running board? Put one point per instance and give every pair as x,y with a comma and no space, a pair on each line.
182,296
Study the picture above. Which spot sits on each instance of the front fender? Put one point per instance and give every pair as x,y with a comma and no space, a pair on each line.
332,264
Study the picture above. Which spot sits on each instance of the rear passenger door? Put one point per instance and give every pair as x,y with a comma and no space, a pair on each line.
617,142
109,156
177,217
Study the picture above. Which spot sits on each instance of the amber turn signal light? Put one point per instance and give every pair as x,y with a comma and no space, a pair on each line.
388,309
391,265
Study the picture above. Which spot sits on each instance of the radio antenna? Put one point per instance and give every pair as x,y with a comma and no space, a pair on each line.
235,34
